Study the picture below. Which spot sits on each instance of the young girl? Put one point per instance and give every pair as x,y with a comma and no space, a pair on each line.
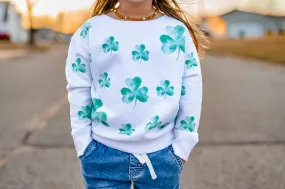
135,93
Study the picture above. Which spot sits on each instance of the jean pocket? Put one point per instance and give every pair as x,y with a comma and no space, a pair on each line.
177,159
89,149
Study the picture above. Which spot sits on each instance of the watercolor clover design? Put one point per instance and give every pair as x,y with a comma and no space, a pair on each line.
174,40
183,91
90,58
165,89
140,53
85,29
191,61
85,113
104,81
155,123
134,92
98,117
126,130
188,124
110,45
78,67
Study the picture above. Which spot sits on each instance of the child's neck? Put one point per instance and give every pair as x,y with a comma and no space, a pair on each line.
136,9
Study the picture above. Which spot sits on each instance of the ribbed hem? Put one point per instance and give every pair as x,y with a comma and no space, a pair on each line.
137,147
183,146
81,140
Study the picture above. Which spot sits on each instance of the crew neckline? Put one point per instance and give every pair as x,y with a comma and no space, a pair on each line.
132,21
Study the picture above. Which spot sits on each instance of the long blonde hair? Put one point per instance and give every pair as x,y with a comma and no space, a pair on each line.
170,8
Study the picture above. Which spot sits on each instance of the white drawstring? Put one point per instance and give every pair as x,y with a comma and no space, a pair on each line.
143,158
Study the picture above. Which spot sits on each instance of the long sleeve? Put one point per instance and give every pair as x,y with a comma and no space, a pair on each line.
188,118
79,81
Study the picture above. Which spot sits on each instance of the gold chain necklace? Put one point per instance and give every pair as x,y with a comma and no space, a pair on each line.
135,19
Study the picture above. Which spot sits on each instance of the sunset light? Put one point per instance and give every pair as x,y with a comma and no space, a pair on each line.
53,7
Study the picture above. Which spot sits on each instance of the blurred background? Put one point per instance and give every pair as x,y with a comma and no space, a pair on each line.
242,130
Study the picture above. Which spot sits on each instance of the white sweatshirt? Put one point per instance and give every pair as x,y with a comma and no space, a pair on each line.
134,86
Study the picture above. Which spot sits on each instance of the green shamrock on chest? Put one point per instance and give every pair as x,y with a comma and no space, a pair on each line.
85,29
98,117
188,124
110,45
126,130
165,89
78,67
134,92
155,123
174,40
191,61
104,81
140,53
85,113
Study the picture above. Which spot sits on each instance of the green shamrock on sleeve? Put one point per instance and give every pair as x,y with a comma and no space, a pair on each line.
188,124
78,67
155,123
99,117
85,29
104,81
165,90
126,130
140,53
191,61
90,58
85,113
134,92
110,45
174,40
183,91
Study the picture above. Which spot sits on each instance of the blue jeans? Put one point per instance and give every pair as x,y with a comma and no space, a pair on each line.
108,168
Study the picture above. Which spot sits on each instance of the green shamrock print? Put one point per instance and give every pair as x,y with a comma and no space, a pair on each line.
140,53
155,123
188,124
134,92
99,117
183,91
174,40
90,58
165,90
104,81
85,29
126,130
85,113
110,45
191,61
78,67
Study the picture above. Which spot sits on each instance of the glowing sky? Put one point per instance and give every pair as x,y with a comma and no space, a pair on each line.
52,7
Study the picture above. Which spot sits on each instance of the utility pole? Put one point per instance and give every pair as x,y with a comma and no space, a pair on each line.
30,8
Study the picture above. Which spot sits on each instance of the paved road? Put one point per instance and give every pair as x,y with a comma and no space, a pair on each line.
242,127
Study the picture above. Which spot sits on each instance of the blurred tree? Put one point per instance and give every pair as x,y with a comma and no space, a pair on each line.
60,22
32,31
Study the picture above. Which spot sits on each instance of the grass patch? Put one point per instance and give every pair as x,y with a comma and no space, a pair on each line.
268,48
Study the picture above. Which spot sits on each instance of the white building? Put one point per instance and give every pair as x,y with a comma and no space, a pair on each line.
11,23
237,23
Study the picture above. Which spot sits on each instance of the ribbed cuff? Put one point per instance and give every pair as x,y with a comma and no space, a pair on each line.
81,140
184,143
